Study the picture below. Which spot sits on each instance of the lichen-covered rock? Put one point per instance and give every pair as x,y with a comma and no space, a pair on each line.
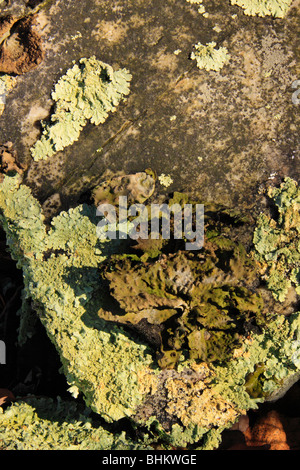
60,275
277,8
89,91
137,188
277,240
46,424
115,370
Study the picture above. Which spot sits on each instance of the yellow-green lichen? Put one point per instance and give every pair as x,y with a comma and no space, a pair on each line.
191,303
277,8
209,398
60,275
208,57
137,188
115,370
277,240
46,424
89,91
165,180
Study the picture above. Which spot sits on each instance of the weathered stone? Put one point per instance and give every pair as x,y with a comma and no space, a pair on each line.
233,129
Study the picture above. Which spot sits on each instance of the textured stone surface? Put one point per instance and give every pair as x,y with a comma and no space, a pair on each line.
217,134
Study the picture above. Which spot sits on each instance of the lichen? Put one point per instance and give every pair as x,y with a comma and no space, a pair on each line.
277,240
209,398
60,275
89,91
201,8
115,370
9,162
137,188
208,57
165,180
46,424
277,8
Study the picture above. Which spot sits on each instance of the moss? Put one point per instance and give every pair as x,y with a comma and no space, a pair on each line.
87,92
208,57
277,240
277,8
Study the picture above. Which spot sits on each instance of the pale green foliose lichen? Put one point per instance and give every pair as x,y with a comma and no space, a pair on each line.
89,91
165,180
208,57
277,241
277,8
114,371
46,424
60,275
201,8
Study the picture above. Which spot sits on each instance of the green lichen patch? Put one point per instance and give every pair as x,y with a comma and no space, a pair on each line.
89,91
277,240
196,402
60,275
208,57
191,307
9,163
46,424
277,8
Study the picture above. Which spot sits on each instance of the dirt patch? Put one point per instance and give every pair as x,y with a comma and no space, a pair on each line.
21,48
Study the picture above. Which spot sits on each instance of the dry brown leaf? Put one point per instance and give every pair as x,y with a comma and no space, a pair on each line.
6,396
268,430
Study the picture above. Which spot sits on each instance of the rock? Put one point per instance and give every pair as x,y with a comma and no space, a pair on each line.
20,49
